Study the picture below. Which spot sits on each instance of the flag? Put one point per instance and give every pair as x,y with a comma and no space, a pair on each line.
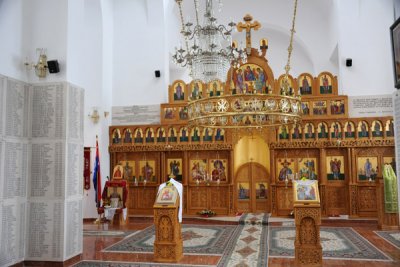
97,176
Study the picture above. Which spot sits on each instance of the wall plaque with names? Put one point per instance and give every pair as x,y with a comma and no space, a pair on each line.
370,106
136,115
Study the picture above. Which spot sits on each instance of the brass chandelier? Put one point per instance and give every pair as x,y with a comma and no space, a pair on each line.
249,108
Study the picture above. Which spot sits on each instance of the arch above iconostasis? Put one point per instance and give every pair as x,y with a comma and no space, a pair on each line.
256,63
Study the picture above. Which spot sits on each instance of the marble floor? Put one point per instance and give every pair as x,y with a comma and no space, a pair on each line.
94,245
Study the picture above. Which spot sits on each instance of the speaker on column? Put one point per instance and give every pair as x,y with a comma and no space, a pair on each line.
349,62
157,73
53,66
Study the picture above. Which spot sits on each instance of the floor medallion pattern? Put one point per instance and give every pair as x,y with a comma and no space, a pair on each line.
337,243
197,239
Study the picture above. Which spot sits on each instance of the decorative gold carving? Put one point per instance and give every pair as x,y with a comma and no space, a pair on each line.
218,197
165,232
367,199
309,257
332,144
169,147
285,198
298,153
308,249
308,233
336,198
312,212
231,192
322,190
198,197
273,199
353,197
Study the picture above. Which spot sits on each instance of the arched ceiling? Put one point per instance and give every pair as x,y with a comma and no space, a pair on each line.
315,38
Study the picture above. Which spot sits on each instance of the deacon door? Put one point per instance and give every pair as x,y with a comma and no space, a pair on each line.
252,184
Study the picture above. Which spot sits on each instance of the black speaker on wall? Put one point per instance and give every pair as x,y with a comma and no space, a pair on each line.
157,73
349,62
53,66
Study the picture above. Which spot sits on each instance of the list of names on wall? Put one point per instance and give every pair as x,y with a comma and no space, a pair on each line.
1,170
48,111
45,230
15,169
370,106
21,233
58,227
73,244
2,99
136,115
17,108
47,170
42,139
74,169
12,230
8,230
75,112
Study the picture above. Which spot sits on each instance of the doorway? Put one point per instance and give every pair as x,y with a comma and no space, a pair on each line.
252,184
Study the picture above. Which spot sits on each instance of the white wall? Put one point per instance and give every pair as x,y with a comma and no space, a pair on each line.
314,41
45,26
139,49
11,27
90,41
364,37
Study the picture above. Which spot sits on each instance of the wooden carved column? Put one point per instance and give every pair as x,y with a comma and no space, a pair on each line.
232,189
386,221
272,183
353,188
322,164
308,249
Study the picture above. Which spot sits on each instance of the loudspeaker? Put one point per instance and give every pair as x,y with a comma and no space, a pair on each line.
349,62
53,67
157,73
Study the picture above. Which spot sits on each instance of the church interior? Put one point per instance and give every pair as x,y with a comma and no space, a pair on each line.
199,133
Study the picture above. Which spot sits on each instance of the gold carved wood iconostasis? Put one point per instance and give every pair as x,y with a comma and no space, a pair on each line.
228,172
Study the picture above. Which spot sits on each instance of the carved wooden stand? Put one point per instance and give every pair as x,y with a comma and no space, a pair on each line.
168,244
386,221
308,249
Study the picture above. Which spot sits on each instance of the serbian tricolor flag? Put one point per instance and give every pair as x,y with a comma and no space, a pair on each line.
97,176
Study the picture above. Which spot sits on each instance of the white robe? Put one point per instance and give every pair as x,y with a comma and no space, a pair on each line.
179,188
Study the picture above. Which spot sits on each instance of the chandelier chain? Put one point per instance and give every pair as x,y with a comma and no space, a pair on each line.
196,7
290,48
179,2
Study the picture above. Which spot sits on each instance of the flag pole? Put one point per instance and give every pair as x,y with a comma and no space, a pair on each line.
97,186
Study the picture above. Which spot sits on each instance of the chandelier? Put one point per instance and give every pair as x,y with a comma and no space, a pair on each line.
252,107
211,54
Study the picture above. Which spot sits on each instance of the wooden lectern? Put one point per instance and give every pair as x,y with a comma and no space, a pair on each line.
307,212
168,244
